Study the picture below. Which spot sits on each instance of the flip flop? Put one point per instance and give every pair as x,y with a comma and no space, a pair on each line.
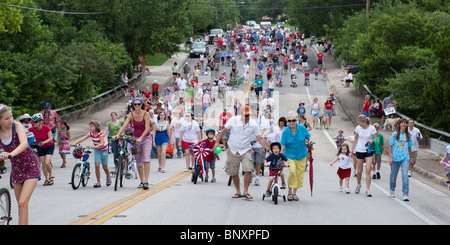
248,196
237,195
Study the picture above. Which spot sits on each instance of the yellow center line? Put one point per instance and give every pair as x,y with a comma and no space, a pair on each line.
106,209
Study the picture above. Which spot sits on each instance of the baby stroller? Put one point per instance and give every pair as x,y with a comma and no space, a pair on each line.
280,82
293,81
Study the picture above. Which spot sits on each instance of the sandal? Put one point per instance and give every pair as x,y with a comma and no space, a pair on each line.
295,197
290,197
163,171
237,195
140,185
145,186
248,196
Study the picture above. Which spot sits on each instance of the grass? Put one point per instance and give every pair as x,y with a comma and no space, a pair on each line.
156,60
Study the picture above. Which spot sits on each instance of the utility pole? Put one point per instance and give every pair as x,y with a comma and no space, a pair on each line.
367,8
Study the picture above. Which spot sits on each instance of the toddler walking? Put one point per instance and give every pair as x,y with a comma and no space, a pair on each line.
344,169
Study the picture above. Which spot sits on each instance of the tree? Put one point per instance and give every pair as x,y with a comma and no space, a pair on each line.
10,17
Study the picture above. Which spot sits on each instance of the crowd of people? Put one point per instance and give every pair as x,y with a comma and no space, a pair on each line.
248,129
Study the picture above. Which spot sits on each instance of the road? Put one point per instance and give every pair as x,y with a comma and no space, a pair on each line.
174,200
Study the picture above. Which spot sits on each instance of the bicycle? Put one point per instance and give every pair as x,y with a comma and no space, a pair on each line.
275,187
81,170
5,204
5,207
127,149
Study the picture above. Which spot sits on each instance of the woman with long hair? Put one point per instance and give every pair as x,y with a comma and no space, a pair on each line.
399,157
25,168
364,135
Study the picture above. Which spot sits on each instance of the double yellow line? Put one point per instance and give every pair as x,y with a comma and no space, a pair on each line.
129,202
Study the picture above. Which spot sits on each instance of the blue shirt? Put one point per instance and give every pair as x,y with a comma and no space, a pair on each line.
400,148
294,146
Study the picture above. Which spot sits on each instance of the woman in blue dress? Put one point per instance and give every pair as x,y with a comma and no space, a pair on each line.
161,133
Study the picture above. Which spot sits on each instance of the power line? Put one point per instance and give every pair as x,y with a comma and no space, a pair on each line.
300,8
52,11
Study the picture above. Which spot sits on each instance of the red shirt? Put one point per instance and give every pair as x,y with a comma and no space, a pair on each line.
319,56
269,70
306,74
328,105
210,157
220,42
41,135
155,87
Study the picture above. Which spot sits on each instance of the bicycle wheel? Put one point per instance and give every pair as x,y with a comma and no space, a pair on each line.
76,176
275,194
85,174
5,206
196,173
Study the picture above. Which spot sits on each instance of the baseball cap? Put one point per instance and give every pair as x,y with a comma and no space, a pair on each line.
245,110
47,105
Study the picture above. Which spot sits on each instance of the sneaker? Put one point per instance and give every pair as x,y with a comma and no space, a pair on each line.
378,175
391,193
409,173
358,189
256,182
347,190
340,188
283,186
368,193
213,180
405,198
374,176
206,178
97,185
268,193
108,181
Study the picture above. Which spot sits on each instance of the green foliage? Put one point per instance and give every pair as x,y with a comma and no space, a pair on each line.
403,48
67,59
10,18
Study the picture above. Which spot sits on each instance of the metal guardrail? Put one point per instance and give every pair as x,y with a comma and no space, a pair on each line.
100,96
440,132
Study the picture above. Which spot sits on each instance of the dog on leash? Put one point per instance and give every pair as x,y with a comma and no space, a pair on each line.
391,122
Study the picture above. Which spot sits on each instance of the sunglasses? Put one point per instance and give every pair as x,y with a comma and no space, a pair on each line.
137,104
294,120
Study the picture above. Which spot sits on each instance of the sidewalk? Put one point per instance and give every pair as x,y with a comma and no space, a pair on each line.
163,74
351,100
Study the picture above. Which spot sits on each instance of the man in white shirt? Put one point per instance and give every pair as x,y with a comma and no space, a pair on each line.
268,101
182,85
416,137
242,131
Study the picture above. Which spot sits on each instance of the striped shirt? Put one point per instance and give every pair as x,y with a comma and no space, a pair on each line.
96,141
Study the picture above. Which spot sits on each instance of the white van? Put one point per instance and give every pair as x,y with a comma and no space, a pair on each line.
266,24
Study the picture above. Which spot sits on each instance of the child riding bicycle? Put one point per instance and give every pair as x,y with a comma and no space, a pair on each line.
277,162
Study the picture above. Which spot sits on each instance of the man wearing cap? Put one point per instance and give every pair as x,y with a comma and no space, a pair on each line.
242,131
51,119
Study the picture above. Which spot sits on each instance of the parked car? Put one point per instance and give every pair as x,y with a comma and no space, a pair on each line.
198,48
353,69
212,34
